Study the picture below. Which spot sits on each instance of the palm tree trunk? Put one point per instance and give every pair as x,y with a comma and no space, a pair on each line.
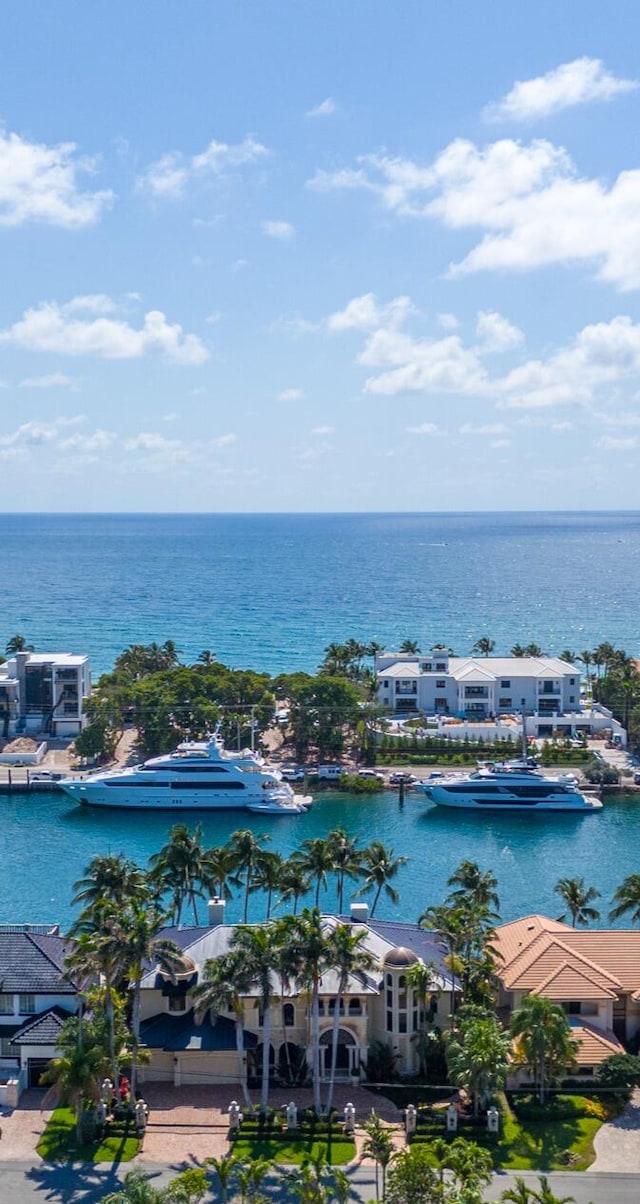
241,1054
135,1034
375,900
111,1025
334,1042
245,911
266,1049
315,1045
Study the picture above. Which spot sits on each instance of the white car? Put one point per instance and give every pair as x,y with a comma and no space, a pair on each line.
45,775
371,773
293,775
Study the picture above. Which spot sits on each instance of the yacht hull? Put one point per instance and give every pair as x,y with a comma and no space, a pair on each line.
127,799
575,803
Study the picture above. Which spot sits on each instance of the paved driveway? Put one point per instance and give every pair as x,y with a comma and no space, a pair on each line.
617,1144
21,1129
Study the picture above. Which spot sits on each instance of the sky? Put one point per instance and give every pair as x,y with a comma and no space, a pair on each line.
319,256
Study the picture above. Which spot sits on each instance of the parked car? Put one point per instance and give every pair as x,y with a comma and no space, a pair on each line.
45,775
371,773
330,772
399,775
636,778
293,775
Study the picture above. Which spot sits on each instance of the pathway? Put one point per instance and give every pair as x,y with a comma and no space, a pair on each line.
617,1143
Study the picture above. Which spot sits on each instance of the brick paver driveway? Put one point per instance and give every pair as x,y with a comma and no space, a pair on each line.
188,1124
21,1129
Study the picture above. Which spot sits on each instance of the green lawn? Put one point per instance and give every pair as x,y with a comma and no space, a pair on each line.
556,1137
293,1153
58,1142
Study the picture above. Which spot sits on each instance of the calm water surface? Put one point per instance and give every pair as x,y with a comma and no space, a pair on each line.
45,843
271,591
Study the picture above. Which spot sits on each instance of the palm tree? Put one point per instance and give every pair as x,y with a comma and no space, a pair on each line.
627,900
17,643
97,955
295,883
207,657
421,979
587,659
378,1145
217,871
316,858
255,948
75,1077
569,656
543,1040
178,867
483,646
111,878
577,898
245,851
143,945
222,987
267,876
518,650
379,866
309,952
136,1189
450,923
224,1169
346,859
478,1057
409,647
475,886
348,958
533,650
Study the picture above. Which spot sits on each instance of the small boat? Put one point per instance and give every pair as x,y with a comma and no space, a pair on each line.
511,786
195,777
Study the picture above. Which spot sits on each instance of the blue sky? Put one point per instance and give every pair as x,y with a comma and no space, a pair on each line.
319,256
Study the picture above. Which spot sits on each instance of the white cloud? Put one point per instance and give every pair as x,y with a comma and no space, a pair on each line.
501,443
278,229
53,380
213,317
421,365
224,440
447,321
615,443
495,333
291,395
573,83
599,356
169,176
622,418
54,327
529,199
150,441
425,428
486,428
326,108
100,440
40,183
239,264
323,430
364,313
34,434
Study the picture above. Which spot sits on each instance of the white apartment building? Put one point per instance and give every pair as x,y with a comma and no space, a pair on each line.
43,692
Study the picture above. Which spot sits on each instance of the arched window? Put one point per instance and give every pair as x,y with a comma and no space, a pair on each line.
288,1015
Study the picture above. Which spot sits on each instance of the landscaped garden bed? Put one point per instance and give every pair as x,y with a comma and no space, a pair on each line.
268,1137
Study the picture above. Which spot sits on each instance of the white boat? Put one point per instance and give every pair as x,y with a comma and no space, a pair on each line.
510,787
195,777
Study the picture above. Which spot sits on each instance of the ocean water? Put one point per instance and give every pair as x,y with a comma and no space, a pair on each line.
271,591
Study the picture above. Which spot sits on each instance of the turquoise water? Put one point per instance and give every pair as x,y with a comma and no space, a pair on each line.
271,591
45,843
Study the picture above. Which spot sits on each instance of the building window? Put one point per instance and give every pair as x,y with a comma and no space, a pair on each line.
572,698
572,681
288,1015
389,1021
441,685
6,1004
588,1008
505,685
355,1007
27,1005
441,667
504,702
6,1049
572,1007
385,685
177,1003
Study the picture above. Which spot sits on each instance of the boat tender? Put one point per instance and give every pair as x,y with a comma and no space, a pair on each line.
510,787
195,777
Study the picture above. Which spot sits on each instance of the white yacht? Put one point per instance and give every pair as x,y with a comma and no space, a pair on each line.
513,786
195,777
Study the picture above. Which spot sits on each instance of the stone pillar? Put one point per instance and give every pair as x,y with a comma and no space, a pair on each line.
349,1118
452,1119
410,1119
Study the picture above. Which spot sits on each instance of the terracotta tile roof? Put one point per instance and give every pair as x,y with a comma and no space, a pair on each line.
571,981
596,1044
616,950
545,957
510,939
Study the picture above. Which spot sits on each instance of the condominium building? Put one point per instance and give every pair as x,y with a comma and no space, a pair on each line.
43,692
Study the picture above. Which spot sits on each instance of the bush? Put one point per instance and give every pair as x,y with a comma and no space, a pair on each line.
620,1071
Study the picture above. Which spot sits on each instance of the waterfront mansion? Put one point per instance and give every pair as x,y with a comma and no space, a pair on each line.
487,689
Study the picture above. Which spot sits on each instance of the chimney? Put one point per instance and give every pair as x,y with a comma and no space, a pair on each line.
359,913
215,909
